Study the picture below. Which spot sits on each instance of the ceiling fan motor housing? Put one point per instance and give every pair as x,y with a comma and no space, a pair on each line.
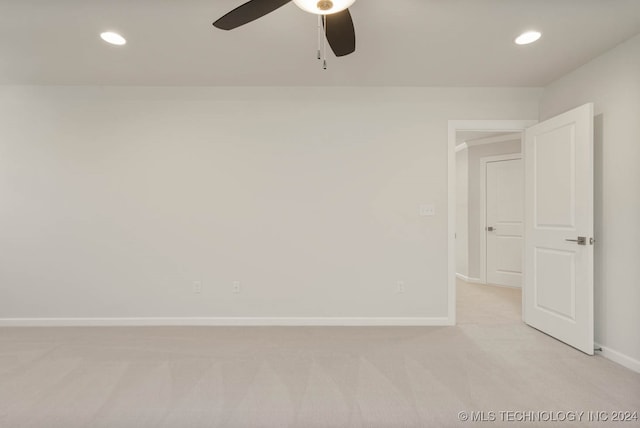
325,5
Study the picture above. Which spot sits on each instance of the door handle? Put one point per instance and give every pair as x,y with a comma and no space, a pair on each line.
582,240
491,228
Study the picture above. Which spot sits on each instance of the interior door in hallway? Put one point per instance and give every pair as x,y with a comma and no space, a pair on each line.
504,219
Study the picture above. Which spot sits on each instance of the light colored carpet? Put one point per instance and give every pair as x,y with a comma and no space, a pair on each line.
305,377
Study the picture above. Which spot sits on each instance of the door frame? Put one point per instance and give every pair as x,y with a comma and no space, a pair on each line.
483,205
453,127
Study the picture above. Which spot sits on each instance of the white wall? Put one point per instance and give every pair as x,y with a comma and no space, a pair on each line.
475,228
462,213
612,82
115,199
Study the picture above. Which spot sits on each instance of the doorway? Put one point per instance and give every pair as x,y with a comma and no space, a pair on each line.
488,135
557,296
489,202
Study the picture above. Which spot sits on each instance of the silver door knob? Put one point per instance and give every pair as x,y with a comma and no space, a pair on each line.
582,240
491,228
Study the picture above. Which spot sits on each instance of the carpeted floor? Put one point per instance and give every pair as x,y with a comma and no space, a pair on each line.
308,377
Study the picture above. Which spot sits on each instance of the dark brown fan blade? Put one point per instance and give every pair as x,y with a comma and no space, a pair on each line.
250,11
340,33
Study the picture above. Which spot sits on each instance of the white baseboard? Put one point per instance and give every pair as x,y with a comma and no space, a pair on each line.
224,321
620,358
469,279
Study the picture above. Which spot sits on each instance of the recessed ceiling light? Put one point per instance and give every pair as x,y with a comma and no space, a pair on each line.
113,38
528,37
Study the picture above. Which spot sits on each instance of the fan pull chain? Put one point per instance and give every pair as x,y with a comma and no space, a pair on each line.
319,36
324,44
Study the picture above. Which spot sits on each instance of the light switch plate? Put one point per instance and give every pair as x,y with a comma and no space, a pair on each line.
427,210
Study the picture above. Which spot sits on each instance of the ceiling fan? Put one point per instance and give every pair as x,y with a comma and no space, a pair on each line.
334,20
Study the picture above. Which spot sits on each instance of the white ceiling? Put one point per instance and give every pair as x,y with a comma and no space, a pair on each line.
400,43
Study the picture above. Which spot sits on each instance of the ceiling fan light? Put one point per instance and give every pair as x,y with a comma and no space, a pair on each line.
324,7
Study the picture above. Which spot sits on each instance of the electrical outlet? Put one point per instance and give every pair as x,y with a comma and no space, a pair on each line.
400,289
235,287
197,287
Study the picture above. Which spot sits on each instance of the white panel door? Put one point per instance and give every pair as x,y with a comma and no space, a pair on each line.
559,227
504,205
